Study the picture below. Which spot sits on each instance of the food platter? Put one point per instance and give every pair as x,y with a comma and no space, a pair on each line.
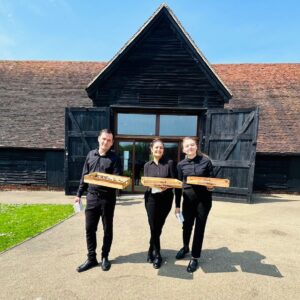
108,180
208,181
159,182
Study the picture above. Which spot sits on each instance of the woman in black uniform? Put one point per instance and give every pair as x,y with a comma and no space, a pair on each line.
197,200
158,202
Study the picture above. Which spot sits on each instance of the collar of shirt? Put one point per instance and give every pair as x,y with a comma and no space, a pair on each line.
97,153
161,161
196,158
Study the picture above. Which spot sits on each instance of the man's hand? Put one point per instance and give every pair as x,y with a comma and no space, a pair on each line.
177,210
77,199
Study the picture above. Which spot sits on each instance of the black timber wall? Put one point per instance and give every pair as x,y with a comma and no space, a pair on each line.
277,173
31,167
45,168
160,70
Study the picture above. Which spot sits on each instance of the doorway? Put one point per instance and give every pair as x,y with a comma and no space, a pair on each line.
134,154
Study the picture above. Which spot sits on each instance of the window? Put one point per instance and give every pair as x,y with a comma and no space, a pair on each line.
146,125
175,125
136,124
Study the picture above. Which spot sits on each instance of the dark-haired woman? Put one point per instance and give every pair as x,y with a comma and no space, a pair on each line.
158,202
197,200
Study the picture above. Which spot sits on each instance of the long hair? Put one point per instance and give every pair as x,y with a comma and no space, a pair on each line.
155,141
152,144
196,142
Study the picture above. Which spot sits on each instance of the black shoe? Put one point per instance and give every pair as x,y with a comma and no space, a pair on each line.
105,264
193,265
182,252
157,262
87,265
150,257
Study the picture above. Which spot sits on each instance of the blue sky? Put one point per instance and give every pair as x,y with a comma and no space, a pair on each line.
226,31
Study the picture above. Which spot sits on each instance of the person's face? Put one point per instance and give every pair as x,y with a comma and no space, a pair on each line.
105,142
157,150
189,147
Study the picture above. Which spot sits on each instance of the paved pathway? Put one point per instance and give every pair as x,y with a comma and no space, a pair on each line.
250,252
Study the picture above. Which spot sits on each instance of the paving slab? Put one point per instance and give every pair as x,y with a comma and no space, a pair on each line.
250,252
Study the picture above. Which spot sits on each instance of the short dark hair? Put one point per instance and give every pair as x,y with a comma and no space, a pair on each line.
105,131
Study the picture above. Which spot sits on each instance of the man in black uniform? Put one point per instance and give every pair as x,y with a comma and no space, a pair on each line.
101,200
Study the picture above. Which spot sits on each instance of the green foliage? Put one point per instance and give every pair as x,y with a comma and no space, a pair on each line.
127,173
20,222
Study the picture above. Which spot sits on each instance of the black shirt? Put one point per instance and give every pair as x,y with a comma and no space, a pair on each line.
109,163
198,166
164,169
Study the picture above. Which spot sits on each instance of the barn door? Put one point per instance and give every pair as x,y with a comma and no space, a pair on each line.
230,141
82,126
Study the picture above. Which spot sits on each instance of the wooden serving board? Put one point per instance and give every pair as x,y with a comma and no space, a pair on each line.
208,181
108,180
158,182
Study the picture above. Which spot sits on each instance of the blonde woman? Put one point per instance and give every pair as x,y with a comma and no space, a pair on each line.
197,200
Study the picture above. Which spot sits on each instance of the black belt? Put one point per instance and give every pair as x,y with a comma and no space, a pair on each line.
101,192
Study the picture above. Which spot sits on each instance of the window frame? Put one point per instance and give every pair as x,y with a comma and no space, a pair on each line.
157,125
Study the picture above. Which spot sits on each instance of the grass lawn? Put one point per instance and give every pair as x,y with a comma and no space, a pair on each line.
19,222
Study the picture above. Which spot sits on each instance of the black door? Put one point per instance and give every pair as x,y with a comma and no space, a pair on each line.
82,126
230,141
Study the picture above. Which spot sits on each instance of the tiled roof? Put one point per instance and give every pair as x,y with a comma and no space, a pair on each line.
275,88
33,95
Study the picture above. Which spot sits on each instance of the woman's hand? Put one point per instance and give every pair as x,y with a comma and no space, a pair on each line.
163,188
177,210
210,188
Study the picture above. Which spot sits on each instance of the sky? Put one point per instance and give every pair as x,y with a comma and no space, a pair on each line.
226,31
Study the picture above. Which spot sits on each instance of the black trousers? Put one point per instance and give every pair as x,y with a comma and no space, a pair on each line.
158,207
195,209
99,206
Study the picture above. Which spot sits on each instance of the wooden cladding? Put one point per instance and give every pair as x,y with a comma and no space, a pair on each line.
159,69
82,127
30,167
230,141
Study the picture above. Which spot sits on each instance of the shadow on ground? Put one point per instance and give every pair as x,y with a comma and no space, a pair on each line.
128,202
270,199
220,260
255,200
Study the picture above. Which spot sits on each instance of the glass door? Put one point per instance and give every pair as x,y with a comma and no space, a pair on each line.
134,155
125,152
141,155
171,151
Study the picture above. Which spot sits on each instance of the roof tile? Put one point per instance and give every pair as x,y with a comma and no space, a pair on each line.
33,95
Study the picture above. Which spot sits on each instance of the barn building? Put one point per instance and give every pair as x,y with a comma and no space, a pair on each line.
245,116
